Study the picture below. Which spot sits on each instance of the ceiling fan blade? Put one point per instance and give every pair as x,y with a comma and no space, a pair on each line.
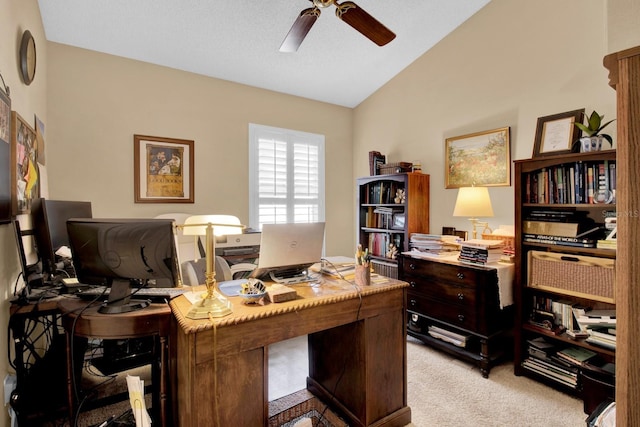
366,24
299,30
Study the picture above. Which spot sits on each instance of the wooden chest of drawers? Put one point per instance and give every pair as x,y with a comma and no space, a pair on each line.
459,298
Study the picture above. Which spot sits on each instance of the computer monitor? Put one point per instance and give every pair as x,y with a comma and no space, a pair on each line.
288,250
124,254
50,232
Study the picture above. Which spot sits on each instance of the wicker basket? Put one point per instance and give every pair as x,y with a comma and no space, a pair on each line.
582,276
398,167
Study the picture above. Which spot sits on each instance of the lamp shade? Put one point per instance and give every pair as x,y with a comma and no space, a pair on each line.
196,225
473,202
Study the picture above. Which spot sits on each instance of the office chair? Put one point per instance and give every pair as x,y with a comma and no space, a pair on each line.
187,249
191,257
193,271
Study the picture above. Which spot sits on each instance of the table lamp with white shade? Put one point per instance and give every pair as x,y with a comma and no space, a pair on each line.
213,303
474,202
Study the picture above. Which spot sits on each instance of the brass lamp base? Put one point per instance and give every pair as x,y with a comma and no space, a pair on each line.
215,305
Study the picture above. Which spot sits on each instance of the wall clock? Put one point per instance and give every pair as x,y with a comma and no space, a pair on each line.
27,57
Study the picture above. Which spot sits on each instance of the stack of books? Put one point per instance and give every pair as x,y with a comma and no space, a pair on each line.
544,360
576,355
602,336
480,251
600,325
559,227
434,244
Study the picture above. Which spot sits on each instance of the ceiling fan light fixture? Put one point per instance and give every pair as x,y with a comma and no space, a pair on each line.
323,3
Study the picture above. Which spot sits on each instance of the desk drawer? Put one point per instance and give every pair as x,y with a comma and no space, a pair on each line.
463,316
444,272
446,292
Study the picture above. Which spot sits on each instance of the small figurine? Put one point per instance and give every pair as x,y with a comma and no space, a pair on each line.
392,252
400,196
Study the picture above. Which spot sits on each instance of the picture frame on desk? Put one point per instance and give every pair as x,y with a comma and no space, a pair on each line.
557,133
163,169
481,159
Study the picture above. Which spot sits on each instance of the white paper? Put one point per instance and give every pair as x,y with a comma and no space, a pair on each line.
138,405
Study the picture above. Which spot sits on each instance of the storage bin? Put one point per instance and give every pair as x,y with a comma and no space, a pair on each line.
578,275
399,167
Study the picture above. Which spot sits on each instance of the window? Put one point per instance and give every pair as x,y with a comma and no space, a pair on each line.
286,176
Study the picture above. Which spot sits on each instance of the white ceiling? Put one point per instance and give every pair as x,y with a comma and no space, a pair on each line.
238,40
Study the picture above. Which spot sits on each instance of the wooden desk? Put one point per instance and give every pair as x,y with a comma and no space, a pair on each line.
357,352
154,320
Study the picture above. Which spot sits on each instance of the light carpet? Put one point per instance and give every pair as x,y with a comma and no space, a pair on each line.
446,392
443,391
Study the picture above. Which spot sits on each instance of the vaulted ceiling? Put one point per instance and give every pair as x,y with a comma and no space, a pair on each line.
239,40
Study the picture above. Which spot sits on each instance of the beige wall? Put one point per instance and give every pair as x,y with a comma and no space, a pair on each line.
512,62
622,25
15,18
97,102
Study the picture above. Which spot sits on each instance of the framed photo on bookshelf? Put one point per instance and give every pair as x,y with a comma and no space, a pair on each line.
557,134
398,221
481,159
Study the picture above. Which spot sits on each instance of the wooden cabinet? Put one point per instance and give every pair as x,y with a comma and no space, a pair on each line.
555,275
390,208
463,299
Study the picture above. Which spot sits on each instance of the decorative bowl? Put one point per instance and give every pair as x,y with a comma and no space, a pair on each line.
252,291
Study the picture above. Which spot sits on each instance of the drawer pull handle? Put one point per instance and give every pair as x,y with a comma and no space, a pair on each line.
460,276
461,317
412,266
413,303
460,296
412,284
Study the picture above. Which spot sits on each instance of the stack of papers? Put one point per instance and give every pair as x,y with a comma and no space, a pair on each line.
138,405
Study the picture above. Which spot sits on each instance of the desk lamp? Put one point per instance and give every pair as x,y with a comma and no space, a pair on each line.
474,202
213,303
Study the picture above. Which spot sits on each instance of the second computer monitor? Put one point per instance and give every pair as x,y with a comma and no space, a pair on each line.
50,229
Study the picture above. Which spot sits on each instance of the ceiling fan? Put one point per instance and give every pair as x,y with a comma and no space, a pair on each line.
348,12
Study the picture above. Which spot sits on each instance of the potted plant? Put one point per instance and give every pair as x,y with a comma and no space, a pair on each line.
593,139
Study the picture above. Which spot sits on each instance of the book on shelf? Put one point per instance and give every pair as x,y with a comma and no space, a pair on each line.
607,244
560,375
602,342
576,355
594,318
559,240
572,183
550,228
604,333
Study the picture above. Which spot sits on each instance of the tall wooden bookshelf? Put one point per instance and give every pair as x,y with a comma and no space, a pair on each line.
560,272
385,219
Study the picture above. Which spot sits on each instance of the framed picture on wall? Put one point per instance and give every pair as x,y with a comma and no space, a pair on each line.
481,159
25,186
5,156
163,170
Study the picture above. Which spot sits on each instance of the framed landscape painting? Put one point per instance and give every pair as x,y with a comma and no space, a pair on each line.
481,159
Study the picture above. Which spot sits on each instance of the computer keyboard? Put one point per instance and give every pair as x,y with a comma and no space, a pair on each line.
153,294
